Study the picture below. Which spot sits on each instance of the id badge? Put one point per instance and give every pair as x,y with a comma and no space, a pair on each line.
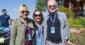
52,29
29,37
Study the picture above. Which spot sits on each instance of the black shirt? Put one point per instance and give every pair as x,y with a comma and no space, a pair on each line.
54,37
4,20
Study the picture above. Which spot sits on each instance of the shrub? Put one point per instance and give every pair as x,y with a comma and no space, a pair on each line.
73,22
76,23
68,12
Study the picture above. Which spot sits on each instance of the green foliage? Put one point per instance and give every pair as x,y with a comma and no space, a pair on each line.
73,22
68,12
76,23
41,5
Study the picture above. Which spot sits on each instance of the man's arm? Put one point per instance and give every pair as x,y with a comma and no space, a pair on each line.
66,28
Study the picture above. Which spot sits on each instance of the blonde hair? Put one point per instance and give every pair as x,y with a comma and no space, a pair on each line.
21,6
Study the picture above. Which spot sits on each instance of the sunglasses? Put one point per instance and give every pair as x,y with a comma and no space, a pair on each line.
54,6
37,15
24,11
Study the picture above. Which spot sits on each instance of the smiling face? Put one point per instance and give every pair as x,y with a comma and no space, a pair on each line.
52,6
37,16
24,12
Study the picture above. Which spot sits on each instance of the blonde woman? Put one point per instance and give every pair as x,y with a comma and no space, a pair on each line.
22,28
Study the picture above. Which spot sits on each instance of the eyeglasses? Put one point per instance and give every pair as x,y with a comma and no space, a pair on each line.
24,11
54,6
37,15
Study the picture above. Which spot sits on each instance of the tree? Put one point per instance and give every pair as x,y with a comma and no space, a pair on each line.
41,5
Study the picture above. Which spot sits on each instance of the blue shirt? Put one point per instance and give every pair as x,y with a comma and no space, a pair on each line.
39,36
4,21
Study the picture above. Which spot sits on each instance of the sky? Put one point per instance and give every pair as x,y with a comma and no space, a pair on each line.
13,5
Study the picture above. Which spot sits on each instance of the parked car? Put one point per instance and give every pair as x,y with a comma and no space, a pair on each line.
4,35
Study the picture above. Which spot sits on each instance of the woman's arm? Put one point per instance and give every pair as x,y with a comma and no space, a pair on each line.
13,33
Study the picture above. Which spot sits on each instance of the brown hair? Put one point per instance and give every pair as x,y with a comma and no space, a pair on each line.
40,14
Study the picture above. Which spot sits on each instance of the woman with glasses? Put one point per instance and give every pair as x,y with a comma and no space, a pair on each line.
38,19
22,28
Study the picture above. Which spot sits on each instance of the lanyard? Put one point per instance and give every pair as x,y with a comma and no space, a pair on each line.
39,32
53,20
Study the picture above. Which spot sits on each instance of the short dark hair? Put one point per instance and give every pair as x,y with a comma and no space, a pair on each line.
24,5
3,10
40,13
